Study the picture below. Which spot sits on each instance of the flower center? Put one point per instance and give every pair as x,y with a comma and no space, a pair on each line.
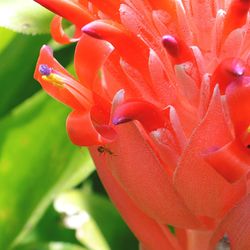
59,80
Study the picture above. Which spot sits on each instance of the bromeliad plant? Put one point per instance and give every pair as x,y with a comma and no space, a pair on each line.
162,100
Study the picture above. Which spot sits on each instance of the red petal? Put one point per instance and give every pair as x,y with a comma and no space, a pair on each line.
228,71
109,7
90,55
236,16
177,49
115,79
231,161
138,170
236,225
153,235
215,195
61,94
58,33
168,6
68,9
150,116
238,100
82,131
197,240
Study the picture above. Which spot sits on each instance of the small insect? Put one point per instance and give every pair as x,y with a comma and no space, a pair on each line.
103,150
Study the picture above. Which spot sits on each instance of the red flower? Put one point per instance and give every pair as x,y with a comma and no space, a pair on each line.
167,121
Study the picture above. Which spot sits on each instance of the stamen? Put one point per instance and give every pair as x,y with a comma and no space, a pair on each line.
82,94
45,70
54,79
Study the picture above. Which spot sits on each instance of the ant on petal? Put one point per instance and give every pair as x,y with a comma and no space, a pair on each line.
102,150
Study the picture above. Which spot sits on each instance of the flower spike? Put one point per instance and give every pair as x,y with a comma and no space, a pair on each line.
184,66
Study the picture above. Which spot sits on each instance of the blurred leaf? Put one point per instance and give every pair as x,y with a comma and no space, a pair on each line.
50,246
17,61
36,162
25,16
98,225
51,228
6,36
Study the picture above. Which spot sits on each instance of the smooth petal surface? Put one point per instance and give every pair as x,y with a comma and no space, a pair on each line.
153,235
90,55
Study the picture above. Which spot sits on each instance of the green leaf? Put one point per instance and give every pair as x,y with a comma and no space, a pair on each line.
37,162
25,17
98,225
50,246
6,36
18,59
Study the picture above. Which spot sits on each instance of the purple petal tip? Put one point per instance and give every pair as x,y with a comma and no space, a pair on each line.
87,30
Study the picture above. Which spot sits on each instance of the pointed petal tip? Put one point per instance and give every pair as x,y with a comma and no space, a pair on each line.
87,29
119,120
171,45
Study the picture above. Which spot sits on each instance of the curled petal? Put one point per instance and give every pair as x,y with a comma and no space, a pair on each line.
132,49
231,161
82,131
58,33
90,55
146,113
68,9
236,225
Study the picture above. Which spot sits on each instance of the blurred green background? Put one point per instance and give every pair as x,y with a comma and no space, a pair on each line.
50,195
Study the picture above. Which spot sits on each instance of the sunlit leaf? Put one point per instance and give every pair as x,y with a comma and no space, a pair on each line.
24,16
51,246
18,60
98,225
37,161
6,36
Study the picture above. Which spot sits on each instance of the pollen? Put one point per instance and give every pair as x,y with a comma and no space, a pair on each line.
50,77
